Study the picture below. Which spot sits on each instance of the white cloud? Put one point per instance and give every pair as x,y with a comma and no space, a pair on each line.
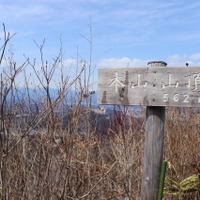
172,61
69,62
195,56
122,62
175,57
3,64
180,60
24,12
135,17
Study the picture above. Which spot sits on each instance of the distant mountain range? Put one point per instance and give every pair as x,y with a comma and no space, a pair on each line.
38,93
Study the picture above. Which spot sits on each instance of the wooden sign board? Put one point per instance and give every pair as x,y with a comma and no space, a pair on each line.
151,86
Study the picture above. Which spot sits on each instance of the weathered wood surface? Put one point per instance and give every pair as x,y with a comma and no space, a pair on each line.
153,152
160,86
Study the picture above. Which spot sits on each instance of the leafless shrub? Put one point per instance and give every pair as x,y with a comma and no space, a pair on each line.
51,147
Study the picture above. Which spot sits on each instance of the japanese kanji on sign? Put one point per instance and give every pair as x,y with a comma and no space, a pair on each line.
160,86
156,87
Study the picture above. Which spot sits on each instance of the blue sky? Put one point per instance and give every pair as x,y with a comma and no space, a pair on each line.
125,32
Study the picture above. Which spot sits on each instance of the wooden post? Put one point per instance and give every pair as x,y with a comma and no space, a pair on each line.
156,87
153,149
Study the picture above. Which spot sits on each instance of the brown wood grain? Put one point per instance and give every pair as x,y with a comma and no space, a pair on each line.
150,86
153,152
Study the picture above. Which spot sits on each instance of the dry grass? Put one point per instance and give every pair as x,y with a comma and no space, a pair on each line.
58,152
182,144
92,167
79,167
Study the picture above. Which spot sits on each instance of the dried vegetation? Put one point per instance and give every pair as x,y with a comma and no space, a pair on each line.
53,147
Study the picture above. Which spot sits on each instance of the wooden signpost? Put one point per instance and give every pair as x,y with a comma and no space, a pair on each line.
156,87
